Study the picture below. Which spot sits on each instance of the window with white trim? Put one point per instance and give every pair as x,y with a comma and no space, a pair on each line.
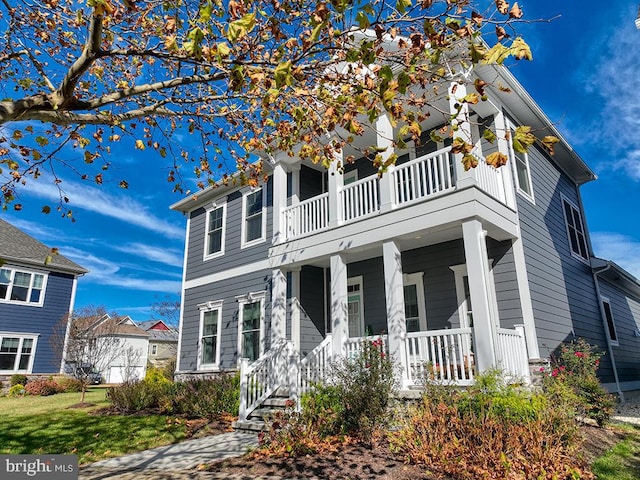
17,351
215,228
210,334
575,230
23,286
611,325
253,217
521,170
414,303
251,325
154,349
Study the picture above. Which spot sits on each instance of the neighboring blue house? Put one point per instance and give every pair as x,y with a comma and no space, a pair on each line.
457,270
37,289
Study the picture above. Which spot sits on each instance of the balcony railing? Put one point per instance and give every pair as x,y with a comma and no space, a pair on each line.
360,199
307,217
423,177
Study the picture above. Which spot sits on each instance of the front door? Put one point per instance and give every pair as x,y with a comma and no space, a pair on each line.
355,307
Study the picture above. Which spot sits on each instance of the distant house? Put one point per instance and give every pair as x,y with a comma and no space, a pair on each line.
163,342
37,289
121,351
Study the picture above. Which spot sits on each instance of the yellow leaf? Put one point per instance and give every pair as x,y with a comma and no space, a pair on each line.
496,159
140,145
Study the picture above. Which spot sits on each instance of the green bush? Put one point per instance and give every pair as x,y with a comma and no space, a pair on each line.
156,376
134,397
18,379
16,390
573,383
43,387
70,385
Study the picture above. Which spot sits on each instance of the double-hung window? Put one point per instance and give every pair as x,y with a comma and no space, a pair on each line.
215,228
22,286
251,325
253,217
521,170
210,335
575,230
16,352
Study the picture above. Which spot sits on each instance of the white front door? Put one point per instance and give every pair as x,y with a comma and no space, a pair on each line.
355,310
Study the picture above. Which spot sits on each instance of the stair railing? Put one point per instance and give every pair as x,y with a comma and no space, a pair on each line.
314,368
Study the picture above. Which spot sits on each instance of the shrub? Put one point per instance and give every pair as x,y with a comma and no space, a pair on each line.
169,368
155,376
208,398
18,379
573,383
491,430
134,397
42,386
16,390
70,385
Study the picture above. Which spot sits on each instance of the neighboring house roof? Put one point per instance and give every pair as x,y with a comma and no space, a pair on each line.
153,325
616,275
18,247
159,331
110,326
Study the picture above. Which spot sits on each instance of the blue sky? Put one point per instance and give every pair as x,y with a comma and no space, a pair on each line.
585,76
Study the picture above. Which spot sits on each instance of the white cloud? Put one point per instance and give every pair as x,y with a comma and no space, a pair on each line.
102,202
622,249
168,256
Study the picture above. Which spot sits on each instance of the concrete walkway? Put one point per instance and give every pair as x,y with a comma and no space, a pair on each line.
175,462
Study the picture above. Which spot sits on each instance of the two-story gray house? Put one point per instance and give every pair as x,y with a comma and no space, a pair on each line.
37,290
455,270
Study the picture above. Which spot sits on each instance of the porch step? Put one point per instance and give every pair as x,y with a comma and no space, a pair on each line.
267,409
249,426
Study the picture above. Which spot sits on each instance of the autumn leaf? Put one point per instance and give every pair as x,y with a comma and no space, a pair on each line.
477,18
522,139
469,161
521,50
515,11
472,98
496,159
549,142
460,146
502,6
123,184
140,145
241,27
489,135
501,33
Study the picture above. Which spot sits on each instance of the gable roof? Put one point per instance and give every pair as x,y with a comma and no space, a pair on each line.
18,247
112,326
616,275
159,331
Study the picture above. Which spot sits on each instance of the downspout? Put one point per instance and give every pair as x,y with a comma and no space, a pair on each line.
606,327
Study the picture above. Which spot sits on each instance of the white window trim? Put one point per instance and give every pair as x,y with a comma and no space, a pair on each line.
575,255
209,307
214,206
612,342
242,301
514,168
243,230
357,281
417,279
351,177
154,349
23,336
15,269
460,271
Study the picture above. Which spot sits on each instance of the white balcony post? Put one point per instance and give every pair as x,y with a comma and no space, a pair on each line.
462,129
394,294
279,202
475,250
336,182
384,139
295,184
278,306
295,308
525,298
503,147
339,315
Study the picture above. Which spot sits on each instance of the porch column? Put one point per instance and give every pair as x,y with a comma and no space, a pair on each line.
394,295
295,308
525,298
475,251
279,202
462,130
339,315
295,184
503,147
278,306
384,139
336,182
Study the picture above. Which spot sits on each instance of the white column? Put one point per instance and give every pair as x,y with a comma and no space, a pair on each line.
503,147
525,298
295,184
278,306
295,308
336,182
384,139
394,295
339,317
475,251
462,129
279,202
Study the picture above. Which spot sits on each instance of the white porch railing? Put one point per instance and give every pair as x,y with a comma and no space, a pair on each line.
511,350
353,345
314,368
490,179
360,198
423,177
443,356
308,216
261,378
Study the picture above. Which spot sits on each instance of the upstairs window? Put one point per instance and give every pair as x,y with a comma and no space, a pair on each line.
21,286
521,171
575,230
254,218
214,244
611,326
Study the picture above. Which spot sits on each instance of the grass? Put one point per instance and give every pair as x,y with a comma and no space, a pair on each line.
622,461
34,425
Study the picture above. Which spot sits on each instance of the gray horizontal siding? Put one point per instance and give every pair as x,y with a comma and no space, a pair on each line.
225,290
41,320
626,316
312,299
504,276
233,254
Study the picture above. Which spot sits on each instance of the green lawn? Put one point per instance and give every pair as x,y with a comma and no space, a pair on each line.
32,425
622,461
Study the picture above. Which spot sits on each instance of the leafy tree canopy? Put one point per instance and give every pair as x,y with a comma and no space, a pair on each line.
78,76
